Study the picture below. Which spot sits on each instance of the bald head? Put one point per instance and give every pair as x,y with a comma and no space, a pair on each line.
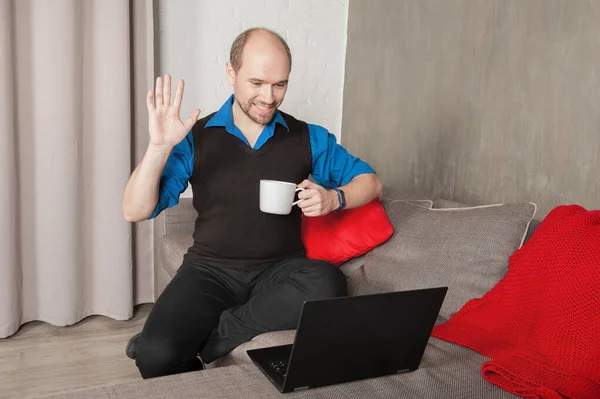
259,42
258,70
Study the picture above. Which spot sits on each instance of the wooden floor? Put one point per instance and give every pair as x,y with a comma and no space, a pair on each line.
41,359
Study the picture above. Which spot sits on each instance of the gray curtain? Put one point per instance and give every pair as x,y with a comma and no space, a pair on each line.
73,78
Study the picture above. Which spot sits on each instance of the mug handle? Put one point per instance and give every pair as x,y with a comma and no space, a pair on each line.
297,202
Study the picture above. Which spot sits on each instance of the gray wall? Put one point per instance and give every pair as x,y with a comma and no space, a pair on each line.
477,101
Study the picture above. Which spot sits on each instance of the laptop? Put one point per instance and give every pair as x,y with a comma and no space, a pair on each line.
351,338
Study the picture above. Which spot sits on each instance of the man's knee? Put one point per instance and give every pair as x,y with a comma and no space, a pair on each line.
159,357
154,358
325,280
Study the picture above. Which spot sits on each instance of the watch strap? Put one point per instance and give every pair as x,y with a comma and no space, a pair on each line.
341,199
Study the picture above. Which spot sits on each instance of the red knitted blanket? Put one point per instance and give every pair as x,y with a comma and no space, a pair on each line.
541,323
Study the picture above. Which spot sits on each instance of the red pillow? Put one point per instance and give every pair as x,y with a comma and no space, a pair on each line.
339,237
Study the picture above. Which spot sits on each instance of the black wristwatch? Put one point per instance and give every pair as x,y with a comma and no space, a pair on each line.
341,198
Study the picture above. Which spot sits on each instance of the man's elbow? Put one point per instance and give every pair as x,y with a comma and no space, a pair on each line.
133,217
369,183
378,187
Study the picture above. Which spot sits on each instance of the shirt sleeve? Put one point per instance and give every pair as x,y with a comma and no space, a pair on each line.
176,175
333,166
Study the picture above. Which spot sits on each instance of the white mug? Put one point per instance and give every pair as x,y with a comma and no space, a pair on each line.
278,196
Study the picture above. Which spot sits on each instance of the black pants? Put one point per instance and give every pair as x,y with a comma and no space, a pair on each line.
209,311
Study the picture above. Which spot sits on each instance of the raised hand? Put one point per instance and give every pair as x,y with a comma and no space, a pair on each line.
166,128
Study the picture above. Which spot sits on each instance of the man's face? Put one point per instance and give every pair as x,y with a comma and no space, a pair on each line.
260,84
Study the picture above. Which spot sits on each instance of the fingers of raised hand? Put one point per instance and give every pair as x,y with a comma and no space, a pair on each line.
178,94
150,101
192,119
167,90
161,96
158,95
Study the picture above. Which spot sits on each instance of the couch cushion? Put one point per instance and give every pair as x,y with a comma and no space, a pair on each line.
349,267
352,265
466,249
444,203
394,194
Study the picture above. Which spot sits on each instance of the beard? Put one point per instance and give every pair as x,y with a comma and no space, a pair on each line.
262,118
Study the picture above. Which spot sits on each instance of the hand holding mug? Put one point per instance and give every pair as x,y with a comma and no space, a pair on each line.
277,197
315,200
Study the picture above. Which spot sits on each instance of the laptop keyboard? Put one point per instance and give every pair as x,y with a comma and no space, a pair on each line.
280,367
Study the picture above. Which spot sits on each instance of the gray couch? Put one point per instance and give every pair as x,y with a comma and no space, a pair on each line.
436,242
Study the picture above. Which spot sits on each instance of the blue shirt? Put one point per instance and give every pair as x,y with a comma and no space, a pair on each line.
332,164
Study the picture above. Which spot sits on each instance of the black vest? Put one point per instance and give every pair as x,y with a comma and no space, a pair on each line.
231,231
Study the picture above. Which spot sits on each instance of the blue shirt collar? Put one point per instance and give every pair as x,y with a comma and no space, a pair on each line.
224,118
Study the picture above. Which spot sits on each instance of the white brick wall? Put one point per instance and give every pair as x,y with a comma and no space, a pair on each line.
195,36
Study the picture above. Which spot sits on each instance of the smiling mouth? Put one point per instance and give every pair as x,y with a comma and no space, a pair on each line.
263,109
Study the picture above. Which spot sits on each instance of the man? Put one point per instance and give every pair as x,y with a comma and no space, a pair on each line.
246,272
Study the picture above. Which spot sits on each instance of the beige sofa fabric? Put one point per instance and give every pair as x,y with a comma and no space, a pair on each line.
466,249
